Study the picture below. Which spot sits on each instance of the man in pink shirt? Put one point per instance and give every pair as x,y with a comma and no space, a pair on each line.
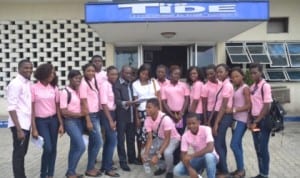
203,156
19,109
161,74
97,60
166,141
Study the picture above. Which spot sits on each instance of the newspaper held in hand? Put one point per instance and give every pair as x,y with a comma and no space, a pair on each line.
38,142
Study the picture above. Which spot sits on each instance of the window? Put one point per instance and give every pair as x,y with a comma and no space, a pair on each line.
258,53
278,55
275,75
205,55
237,53
126,56
293,74
278,25
294,54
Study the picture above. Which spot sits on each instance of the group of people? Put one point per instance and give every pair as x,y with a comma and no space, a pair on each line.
162,117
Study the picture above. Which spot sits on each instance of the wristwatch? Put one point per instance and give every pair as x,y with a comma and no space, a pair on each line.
158,154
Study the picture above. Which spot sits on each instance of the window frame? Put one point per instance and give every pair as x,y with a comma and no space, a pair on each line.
292,70
289,54
229,45
275,70
285,54
265,52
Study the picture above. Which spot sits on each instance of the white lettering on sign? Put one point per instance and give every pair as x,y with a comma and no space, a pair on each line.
179,8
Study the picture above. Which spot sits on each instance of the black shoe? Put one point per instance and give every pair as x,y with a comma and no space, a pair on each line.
125,167
112,174
159,172
169,175
136,162
259,176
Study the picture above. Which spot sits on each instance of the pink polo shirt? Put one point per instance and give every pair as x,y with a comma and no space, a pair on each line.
107,95
226,92
175,94
44,99
210,91
256,96
239,101
163,84
196,91
101,76
166,125
19,99
91,94
74,105
199,141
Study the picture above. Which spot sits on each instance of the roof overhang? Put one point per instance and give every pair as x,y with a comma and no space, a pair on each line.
144,23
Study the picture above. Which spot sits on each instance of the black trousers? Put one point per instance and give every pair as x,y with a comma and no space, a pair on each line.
126,131
19,151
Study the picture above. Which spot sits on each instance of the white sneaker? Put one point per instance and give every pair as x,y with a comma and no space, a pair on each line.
199,176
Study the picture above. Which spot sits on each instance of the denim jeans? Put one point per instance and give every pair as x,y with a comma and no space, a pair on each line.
208,162
48,129
74,128
110,142
236,144
19,151
95,141
220,142
261,144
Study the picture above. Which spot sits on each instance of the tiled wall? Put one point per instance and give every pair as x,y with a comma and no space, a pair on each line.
67,44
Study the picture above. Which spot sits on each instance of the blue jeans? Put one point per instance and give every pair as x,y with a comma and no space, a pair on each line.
236,144
95,141
110,142
74,128
220,142
48,129
261,144
208,161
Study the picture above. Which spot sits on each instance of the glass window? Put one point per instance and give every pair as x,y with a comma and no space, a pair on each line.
257,52
237,53
205,55
276,75
126,56
294,54
293,75
278,54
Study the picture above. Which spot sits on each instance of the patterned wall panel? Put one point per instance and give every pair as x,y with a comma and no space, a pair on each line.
67,44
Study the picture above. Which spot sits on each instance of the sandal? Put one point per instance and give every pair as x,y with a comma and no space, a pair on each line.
112,174
239,174
98,173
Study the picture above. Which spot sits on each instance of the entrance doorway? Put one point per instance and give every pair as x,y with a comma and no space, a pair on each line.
166,55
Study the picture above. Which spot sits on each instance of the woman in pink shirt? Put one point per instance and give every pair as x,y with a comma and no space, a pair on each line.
240,110
46,118
108,121
261,98
195,79
70,107
167,139
224,119
89,95
209,93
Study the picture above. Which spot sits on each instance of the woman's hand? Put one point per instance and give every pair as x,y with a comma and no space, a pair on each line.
215,129
113,125
34,133
89,126
61,130
138,123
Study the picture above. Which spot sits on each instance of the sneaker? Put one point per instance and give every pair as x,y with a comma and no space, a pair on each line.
169,175
159,172
259,176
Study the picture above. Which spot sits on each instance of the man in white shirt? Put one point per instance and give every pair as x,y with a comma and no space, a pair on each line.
19,109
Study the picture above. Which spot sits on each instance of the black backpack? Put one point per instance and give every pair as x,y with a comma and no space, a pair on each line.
275,117
69,95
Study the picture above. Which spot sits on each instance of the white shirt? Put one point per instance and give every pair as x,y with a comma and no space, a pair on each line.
19,99
144,92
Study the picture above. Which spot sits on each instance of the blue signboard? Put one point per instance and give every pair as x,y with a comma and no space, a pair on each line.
169,12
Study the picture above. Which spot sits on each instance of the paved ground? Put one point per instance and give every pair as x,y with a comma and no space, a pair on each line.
285,156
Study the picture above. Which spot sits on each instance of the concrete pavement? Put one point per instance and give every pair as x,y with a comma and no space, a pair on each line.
284,150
